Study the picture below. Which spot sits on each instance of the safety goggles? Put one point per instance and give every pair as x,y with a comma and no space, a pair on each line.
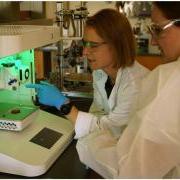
156,30
92,44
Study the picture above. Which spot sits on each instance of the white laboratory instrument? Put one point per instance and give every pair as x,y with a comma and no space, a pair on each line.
35,138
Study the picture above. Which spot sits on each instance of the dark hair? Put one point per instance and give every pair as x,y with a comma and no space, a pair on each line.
114,28
170,9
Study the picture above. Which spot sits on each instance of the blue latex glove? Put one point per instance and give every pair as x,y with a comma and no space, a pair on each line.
48,94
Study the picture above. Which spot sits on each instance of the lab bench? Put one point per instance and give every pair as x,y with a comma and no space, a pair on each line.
68,165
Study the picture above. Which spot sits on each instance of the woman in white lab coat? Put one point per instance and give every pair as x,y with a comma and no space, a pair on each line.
110,50
150,145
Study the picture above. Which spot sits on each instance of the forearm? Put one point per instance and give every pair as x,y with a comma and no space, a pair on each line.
72,116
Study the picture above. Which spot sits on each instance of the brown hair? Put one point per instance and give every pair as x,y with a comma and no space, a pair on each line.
170,9
114,28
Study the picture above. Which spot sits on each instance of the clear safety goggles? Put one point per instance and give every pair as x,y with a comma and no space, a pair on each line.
92,44
156,30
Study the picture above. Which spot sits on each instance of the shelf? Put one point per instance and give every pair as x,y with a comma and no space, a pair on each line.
81,77
78,94
70,38
17,38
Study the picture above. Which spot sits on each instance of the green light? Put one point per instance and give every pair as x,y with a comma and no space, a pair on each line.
24,55
15,71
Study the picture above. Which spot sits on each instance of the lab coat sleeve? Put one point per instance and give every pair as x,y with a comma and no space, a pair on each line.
115,121
155,149
135,155
124,97
150,145
83,124
149,159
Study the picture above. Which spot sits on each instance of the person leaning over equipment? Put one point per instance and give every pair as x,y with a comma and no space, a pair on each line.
150,145
110,50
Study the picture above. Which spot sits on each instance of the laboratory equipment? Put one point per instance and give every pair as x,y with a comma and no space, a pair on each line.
35,138
16,106
68,60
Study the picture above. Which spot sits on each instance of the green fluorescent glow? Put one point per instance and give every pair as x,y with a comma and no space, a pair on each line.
6,111
13,79
24,55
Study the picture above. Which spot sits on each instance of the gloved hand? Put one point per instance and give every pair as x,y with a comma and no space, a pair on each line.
48,94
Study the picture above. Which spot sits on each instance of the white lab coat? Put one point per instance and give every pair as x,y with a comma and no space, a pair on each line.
150,145
112,113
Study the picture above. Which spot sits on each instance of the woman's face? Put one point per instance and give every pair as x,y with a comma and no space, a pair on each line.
98,52
169,40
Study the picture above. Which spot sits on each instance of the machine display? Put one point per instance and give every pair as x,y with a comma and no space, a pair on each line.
31,139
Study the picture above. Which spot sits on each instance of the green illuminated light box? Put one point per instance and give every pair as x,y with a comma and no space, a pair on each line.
16,101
